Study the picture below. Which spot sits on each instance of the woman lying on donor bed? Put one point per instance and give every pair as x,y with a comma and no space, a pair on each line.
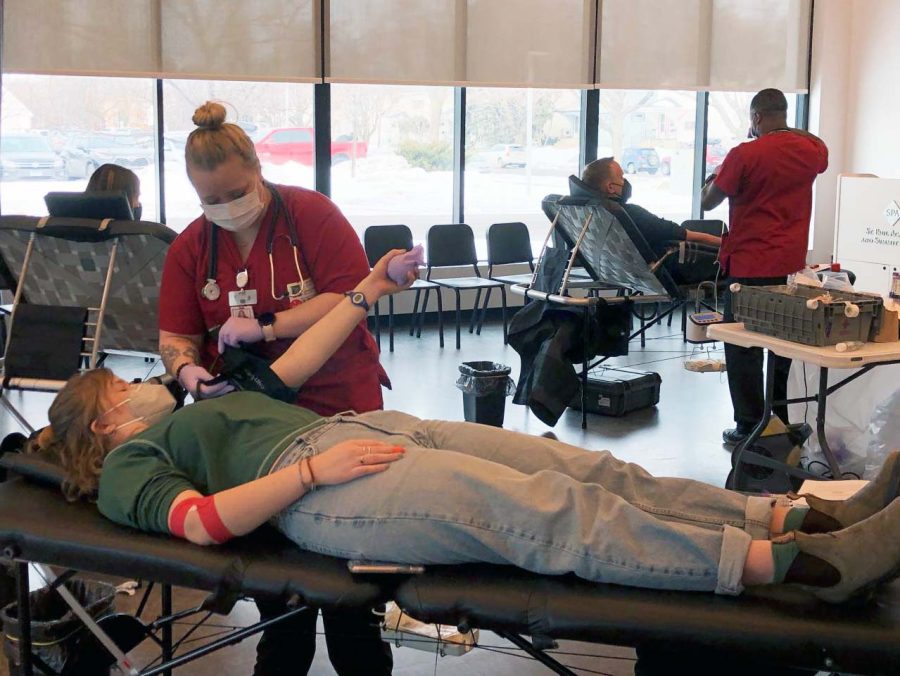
387,486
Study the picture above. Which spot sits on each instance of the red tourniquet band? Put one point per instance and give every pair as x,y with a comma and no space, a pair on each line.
179,516
209,517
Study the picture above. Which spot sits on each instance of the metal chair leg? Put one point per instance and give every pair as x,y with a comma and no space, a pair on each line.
440,304
421,317
503,311
458,318
475,307
484,306
415,312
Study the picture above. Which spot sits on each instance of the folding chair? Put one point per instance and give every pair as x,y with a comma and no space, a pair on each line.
378,240
89,286
507,244
453,245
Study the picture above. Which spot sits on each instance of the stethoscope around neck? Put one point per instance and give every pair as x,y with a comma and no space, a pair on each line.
210,289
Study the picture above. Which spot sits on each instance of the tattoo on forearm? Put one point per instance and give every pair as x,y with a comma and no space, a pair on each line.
170,355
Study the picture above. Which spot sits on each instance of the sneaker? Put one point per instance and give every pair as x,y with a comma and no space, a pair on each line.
734,436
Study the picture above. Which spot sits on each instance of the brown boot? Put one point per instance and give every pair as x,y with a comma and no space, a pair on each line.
865,554
869,500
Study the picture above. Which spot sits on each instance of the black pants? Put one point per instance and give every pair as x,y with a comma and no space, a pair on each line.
352,635
746,377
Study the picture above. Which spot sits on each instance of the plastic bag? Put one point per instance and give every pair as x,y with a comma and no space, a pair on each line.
850,412
55,629
883,434
839,281
804,277
485,377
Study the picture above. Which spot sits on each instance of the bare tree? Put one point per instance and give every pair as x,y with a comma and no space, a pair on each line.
618,105
733,110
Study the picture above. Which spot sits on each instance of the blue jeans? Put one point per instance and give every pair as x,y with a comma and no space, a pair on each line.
466,492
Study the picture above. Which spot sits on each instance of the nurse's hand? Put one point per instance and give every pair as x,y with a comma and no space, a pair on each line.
238,330
352,459
193,376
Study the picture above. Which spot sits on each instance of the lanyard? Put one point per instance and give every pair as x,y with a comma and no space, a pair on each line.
211,291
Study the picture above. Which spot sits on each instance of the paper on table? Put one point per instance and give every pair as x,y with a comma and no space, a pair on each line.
830,490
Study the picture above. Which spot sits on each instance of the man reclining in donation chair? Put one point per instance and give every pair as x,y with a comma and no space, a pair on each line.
604,178
385,485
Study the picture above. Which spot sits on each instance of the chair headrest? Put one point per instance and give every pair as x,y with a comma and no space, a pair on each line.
101,204
578,188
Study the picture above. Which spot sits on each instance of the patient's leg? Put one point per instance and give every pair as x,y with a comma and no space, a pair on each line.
437,506
667,498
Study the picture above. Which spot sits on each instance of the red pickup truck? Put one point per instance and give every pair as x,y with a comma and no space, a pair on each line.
295,144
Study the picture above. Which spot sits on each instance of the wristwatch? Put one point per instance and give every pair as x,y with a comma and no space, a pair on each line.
358,298
267,324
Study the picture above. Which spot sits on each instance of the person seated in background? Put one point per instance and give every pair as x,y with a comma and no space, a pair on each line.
605,176
110,177
385,485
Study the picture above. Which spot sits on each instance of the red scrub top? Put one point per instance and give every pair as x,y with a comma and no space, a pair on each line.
329,253
769,184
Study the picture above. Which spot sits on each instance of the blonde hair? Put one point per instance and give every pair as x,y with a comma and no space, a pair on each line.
215,140
69,439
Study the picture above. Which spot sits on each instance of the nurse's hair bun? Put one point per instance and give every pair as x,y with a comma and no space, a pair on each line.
211,115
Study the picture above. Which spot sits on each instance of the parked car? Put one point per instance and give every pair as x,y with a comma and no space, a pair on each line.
85,152
28,156
507,155
295,144
640,159
715,154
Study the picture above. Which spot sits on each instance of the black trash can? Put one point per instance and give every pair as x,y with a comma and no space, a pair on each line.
485,386
55,630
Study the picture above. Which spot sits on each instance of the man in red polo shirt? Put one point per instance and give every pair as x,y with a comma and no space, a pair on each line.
768,183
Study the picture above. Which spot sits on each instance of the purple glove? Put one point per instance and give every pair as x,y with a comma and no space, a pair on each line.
192,376
239,330
400,266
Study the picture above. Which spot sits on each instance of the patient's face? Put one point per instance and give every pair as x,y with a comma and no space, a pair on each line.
115,411
616,181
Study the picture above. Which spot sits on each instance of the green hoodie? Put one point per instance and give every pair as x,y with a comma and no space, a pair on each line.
209,447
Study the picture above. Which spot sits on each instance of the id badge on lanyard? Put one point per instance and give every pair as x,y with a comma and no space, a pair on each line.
241,302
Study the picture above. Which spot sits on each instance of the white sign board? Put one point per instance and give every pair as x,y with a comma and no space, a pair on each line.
868,220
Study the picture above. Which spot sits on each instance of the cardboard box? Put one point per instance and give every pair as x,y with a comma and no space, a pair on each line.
889,331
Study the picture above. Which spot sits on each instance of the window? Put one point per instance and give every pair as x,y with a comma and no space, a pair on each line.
728,126
48,147
651,135
521,145
392,155
278,117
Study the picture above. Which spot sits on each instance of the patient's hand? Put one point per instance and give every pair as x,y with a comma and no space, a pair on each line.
238,330
352,459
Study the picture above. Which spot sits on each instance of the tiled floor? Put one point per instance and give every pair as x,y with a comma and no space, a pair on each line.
680,437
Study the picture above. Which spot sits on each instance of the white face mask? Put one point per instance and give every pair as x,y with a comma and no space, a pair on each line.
147,402
236,215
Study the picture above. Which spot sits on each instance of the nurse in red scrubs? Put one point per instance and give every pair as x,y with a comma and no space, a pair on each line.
263,264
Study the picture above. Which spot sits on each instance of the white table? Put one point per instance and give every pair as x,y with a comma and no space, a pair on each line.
865,358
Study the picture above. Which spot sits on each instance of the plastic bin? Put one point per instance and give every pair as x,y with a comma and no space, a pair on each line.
485,386
55,631
782,311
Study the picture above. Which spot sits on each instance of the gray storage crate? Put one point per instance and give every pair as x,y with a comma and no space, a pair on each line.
781,311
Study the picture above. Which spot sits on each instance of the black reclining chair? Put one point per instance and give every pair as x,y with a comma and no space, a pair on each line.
91,284
680,252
